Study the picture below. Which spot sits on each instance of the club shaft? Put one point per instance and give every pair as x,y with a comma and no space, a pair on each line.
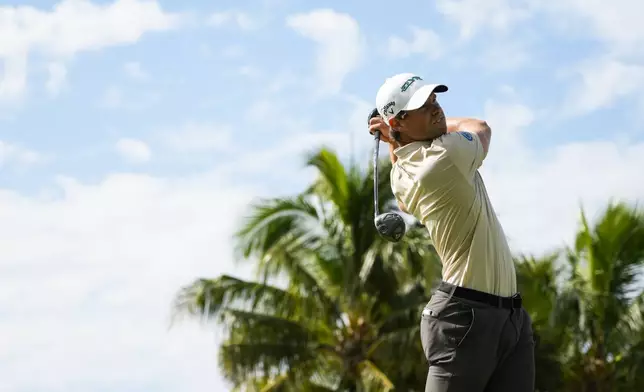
376,152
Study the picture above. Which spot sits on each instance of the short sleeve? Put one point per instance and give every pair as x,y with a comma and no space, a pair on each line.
464,150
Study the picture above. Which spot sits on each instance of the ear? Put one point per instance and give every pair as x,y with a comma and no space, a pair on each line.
394,123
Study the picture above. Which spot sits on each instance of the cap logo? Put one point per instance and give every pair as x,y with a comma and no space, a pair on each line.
409,82
388,108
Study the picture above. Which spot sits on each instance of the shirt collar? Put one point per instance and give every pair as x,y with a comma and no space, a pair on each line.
408,149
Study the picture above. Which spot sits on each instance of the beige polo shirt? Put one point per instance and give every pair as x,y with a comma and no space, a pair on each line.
439,183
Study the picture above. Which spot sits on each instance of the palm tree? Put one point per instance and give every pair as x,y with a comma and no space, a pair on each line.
537,282
590,319
334,306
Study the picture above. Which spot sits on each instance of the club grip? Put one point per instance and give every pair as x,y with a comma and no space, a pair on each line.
374,113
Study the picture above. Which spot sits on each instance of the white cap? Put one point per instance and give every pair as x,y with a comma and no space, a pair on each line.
405,91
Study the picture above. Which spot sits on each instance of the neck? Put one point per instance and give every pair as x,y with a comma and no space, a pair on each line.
403,141
436,134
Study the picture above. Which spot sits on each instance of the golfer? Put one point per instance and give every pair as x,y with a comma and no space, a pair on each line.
475,333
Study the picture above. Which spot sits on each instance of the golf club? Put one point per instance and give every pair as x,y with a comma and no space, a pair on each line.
390,225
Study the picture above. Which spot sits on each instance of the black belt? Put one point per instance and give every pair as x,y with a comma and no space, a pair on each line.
514,302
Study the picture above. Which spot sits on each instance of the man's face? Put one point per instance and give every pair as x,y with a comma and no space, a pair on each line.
424,123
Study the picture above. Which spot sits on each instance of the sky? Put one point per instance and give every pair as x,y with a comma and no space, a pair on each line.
135,133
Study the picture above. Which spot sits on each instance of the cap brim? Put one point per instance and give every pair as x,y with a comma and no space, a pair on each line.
420,97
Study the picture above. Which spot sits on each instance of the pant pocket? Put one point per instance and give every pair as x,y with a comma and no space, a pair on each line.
445,328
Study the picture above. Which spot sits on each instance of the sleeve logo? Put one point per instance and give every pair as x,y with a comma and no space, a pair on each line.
467,135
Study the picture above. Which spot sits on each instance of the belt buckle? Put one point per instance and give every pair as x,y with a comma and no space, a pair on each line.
516,301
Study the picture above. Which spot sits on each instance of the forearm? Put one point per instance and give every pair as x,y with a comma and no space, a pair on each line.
455,124
479,127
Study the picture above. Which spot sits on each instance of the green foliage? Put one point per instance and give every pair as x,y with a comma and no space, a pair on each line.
587,307
334,307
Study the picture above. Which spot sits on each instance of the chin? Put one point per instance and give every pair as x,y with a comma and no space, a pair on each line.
435,132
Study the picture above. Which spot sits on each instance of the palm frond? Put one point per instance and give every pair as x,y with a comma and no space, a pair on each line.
613,250
332,184
278,383
391,268
208,297
268,344
346,315
608,256
537,282
275,223
374,379
629,331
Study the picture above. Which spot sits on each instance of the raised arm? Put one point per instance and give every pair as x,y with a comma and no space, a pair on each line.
478,127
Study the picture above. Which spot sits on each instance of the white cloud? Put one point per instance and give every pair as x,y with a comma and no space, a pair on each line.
504,55
110,256
237,19
112,97
505,46
205,50
258,111
509,120
72,26
133,150
115,97
618,24
615,74
288,153
507,90
98,266
340,45
538,192
57,78
473,16
194,137
423,41
249,71
14,154
13,79
233,51
602,83
134,70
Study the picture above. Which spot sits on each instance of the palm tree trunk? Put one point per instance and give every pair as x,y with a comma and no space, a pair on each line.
348,385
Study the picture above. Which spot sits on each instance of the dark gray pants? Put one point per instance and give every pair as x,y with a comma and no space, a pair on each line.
476,347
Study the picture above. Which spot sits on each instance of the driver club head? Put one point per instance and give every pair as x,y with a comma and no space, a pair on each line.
390,226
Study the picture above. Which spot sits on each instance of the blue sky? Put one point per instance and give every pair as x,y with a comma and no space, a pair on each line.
133,135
